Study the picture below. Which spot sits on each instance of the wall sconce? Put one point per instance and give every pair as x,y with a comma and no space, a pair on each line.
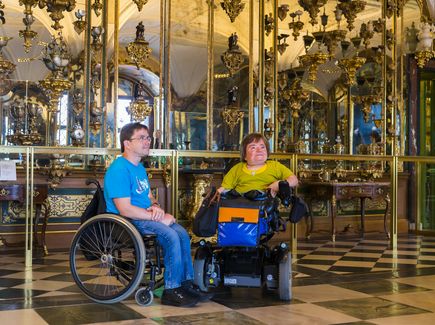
80,24
139,50
6,66
97,6
282,11
56,9
313,8
232,58
296,25
308,41
269,23
350,8
140,4
96,33
28,34
233,8
282,46
139,109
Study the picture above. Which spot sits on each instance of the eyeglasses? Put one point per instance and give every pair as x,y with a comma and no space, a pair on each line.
142,138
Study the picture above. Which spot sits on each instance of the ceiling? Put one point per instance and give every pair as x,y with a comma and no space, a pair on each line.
189,25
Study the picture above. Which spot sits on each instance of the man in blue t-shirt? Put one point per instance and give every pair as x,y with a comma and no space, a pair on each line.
127,193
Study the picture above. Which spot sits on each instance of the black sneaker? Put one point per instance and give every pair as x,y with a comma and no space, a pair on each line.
194,291
178,297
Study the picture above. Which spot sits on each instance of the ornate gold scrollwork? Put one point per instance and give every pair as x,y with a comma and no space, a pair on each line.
233,8
4,192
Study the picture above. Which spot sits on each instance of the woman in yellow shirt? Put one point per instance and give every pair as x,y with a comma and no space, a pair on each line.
255,172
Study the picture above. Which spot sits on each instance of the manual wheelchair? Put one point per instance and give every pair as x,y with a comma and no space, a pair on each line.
242,256
110,259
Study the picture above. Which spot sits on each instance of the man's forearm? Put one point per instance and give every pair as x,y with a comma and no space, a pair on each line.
136,213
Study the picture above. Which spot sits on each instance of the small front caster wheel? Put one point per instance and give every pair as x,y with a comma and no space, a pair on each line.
144,297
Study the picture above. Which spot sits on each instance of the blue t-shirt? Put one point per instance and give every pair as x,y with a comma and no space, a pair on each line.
124,179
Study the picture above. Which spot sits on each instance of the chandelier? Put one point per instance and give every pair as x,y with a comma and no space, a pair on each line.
139,50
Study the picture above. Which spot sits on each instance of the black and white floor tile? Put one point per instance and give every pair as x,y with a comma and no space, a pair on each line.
351,281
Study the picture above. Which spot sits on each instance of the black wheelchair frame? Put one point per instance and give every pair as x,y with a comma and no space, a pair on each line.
110,260
238,266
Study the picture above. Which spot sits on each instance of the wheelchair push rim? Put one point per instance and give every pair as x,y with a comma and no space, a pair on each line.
107,258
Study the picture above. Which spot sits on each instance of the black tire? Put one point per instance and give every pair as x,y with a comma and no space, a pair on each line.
284,288
107,258
199,274
144,297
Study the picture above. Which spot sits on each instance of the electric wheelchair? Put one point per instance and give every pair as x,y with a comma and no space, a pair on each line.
110,260
242,256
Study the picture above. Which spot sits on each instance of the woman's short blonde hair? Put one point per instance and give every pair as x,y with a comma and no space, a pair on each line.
252,137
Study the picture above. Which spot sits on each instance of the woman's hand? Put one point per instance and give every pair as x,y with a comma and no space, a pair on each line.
274,188
157,213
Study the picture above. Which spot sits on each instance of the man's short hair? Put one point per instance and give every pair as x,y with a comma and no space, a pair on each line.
252,137
128,130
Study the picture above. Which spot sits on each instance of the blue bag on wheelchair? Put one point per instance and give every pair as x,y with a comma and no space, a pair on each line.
241,222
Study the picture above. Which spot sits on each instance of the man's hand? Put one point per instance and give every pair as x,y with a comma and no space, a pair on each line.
157,213
168,219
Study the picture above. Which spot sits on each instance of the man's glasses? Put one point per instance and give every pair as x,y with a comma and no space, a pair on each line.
142,138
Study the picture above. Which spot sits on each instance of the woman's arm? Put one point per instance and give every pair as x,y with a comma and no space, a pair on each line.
292,180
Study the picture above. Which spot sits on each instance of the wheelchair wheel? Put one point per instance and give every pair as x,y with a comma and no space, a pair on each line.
144,297
284,288
199,273
107,258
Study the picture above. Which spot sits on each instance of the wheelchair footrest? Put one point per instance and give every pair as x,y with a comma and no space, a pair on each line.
242,280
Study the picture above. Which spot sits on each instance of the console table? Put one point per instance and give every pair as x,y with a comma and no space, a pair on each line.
17,193
334,191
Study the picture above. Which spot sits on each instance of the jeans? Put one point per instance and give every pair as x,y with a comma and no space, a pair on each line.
176,250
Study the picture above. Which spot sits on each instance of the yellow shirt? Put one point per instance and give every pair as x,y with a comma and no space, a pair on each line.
243,180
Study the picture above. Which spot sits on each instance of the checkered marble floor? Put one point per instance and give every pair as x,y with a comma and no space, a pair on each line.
351,281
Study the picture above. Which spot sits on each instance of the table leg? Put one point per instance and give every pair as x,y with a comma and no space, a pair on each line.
35,224
333,215
363,213
44,227
309,221
387,213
